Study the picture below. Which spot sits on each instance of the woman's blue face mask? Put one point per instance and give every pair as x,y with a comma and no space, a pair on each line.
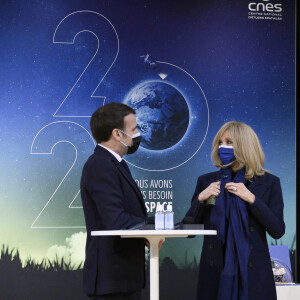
226,155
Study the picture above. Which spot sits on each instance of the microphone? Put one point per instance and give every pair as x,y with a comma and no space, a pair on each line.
185,220
137,226
188,220
150,220
147,225
188,223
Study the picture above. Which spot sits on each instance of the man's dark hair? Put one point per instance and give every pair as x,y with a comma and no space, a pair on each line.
108,117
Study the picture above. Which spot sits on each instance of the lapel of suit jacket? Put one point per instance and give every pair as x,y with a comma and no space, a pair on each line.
102,151
131,182
257,186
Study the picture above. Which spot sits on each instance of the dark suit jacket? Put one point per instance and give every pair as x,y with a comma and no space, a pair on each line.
265,215
111,200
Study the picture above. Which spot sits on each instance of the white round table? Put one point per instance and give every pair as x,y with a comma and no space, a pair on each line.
153,236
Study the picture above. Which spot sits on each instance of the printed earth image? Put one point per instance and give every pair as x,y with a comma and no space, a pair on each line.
162,114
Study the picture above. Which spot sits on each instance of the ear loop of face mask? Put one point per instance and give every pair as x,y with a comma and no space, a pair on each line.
133,136
136,142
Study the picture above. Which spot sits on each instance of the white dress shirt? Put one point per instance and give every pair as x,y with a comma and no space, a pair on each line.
115,154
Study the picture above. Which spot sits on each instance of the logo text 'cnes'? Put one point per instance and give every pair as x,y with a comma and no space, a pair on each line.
269,7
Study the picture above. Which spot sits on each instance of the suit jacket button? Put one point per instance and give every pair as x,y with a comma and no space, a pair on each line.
251,228
211,246
251,246
211,263
250,264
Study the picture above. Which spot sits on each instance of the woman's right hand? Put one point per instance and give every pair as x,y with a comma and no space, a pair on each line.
212,190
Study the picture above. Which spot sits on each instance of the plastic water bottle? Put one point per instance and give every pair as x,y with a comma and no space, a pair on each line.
159,218
169,218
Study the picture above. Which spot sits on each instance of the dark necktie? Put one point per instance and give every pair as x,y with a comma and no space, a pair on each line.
124,164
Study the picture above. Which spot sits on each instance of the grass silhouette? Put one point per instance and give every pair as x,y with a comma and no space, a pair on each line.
47,279
60,280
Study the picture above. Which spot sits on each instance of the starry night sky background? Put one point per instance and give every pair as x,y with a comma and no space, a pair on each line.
245,68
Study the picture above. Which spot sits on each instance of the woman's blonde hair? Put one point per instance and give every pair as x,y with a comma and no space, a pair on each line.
246,147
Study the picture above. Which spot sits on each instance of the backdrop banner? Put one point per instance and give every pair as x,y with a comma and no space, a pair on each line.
186,67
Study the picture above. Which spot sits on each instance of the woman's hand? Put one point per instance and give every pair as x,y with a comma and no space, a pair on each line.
241,191
212,190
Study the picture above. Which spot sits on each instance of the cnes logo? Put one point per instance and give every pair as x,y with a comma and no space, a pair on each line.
262,6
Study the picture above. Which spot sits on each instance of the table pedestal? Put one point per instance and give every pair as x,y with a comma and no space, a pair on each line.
154,266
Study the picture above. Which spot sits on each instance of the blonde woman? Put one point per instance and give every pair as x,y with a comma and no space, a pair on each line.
235,264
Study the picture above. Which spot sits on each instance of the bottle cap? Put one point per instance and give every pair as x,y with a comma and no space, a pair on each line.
158,207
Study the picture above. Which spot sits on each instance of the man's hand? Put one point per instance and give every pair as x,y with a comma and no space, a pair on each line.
159,244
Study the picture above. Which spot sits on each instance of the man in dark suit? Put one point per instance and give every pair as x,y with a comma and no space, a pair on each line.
114,268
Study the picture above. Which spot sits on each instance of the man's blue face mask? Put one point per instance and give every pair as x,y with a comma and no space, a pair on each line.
226,155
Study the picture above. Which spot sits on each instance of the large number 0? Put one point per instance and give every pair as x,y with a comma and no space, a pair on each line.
61,209
80,100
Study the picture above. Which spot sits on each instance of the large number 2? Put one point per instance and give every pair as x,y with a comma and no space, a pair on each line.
61,209
81,100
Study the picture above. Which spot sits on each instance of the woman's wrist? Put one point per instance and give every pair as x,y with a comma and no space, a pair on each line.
251,199
200,198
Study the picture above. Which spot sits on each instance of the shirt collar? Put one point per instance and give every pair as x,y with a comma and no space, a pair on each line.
116,155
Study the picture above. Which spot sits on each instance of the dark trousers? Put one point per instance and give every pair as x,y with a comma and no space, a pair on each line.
121,296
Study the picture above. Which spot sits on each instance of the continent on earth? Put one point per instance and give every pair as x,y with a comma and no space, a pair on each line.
162,114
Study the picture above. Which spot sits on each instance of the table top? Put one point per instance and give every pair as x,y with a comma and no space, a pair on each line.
145,233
